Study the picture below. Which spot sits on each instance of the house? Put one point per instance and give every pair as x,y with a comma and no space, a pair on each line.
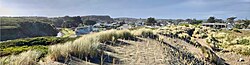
215,25
140,23
59,34
124,26
83,30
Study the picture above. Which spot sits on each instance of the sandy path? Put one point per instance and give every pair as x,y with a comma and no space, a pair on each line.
152,52
148,52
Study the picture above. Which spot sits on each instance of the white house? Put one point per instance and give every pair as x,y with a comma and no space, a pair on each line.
59,34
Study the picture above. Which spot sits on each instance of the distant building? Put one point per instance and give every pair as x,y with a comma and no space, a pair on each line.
139,23
83,30
59,34
215,25
125,26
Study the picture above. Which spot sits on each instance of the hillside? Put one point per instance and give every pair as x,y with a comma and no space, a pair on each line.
98,18
174,45
13,28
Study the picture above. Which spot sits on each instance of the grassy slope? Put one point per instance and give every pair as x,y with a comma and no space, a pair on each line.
67,32
20,45
90,47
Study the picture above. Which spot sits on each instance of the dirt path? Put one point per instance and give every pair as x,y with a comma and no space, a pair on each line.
152,52
148,52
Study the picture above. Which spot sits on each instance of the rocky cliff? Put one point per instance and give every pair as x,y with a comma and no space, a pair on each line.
27,29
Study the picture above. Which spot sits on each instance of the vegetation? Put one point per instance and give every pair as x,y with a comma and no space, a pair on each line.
150,21
211,20
196,22
71,21
26,58
19,49
67,32
242,24
230,41
21,45
89,22
86,46
214,20
91,45
23,27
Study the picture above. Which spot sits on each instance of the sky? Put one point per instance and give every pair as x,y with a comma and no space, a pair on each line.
161,9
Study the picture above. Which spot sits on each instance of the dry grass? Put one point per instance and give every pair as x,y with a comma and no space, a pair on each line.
25,58
242,49
86,46
143,32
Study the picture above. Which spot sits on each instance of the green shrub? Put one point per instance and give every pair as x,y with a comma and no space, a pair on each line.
19,49
187,25
236,30
34,41
242,41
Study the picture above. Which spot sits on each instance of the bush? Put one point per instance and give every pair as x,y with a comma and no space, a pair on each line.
184,36
19,49
124,34
21,45
243,41
143,32
187,25
220,35
236,30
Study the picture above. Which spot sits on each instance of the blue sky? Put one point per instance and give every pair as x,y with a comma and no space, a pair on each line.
199,9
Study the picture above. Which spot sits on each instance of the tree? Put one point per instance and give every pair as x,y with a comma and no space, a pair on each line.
219,21
150,21
196,22
245,24
67,24
71,21
211,20
231,19
77,19
89,22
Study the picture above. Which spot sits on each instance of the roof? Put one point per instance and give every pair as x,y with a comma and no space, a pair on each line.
214,24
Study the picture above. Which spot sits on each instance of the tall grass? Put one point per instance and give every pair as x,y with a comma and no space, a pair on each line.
242,49
25,58
86,46
144,32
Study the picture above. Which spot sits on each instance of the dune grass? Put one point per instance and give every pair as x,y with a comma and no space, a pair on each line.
86,46
143,32
26,58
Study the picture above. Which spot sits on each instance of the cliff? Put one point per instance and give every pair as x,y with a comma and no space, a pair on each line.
27,29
